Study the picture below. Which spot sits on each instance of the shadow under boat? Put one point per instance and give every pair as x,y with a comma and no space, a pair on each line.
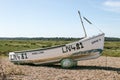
79,67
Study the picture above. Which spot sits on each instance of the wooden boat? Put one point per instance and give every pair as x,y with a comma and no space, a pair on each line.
67,55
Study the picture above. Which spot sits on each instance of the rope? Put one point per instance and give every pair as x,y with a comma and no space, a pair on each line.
106,63
92,24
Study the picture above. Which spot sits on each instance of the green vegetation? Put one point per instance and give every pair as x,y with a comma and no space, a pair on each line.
112,48
17,45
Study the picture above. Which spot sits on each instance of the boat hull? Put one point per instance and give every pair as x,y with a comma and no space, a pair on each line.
86,48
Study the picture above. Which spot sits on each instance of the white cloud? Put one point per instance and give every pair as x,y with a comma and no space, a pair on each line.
111,5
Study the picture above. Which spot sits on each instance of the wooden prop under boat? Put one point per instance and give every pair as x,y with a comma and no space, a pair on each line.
67,55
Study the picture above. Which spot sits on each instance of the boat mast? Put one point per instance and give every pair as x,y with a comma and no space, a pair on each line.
82,24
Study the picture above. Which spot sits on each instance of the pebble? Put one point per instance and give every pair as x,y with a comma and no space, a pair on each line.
94,69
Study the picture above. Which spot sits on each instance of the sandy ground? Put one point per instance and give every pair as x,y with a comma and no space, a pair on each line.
95,69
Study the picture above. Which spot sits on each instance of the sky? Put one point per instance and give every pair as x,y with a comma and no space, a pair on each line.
58,18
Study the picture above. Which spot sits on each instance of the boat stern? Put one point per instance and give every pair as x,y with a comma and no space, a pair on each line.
12,57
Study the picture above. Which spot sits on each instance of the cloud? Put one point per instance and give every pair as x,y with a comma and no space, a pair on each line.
113,6
112,3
